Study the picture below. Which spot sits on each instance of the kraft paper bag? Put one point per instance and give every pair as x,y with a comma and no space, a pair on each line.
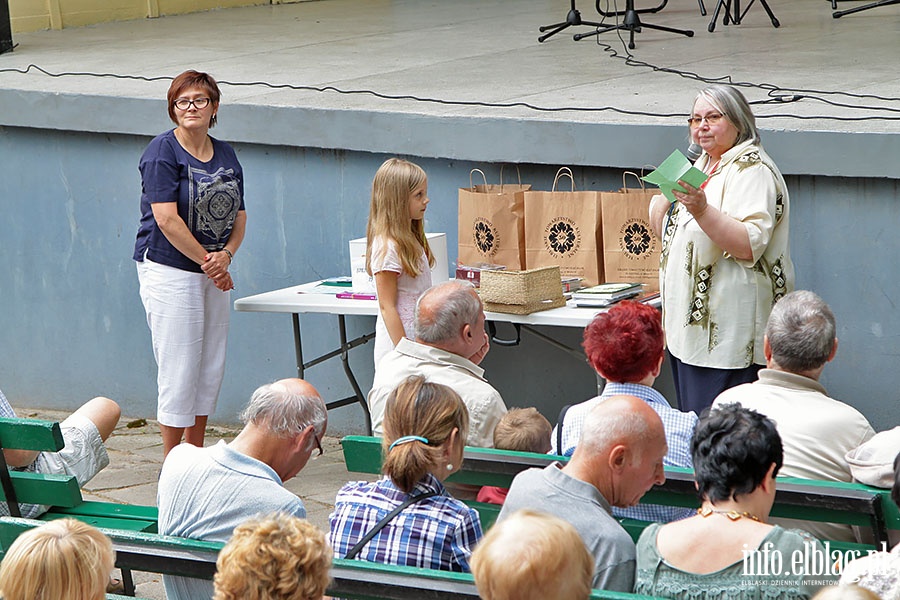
492,223
564,229
630,247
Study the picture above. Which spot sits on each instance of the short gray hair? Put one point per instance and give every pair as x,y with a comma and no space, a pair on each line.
734,106
282,412
801,331
459,307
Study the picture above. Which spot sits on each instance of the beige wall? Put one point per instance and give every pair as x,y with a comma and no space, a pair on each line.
35,15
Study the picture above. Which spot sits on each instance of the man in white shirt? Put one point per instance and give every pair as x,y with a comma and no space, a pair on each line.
204,493
817,431
450,344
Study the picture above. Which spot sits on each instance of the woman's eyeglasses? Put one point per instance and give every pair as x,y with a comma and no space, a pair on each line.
711,120
198,103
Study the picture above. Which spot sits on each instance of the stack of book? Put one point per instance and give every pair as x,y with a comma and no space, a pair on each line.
606,294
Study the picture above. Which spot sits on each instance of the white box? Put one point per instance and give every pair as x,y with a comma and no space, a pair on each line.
364,283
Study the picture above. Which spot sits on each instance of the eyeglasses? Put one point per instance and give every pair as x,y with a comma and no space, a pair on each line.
711,120
318,444
198,103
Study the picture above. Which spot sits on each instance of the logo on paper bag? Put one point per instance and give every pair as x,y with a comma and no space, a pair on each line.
636,240
562,237
486,236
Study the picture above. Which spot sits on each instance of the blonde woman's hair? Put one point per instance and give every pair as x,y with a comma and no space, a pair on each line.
532,555
389,217
273,557
430,411
523,430
63,559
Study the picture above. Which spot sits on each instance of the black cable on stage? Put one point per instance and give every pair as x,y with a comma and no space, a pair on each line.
775,93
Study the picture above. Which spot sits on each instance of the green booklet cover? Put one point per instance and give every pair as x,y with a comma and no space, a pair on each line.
676,167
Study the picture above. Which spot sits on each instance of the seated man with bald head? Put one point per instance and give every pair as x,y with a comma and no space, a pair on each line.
204,493
450,344
618,458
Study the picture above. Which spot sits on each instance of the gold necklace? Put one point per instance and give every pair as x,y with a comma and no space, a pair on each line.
731,514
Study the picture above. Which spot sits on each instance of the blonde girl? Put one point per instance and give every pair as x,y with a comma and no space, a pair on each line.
397,253
60,560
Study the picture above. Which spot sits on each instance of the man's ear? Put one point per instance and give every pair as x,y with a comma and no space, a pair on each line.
618,457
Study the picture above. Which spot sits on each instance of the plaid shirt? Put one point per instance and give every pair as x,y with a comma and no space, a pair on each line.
6,411
679,427
434,533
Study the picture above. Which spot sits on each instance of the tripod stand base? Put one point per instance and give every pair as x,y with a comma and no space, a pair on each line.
738,15
573,18
632,23
840,13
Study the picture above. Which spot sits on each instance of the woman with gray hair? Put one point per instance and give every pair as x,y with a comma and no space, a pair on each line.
725,257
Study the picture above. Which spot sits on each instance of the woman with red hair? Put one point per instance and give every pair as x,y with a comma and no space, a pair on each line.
625,346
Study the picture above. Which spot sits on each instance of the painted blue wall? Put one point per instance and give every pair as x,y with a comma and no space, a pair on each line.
72,326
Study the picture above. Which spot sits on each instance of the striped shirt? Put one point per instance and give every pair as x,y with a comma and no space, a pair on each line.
434,533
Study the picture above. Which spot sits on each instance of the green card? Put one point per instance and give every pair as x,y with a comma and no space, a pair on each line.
676,167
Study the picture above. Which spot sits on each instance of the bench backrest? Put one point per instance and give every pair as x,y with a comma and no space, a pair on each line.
19,487
832,502
350,578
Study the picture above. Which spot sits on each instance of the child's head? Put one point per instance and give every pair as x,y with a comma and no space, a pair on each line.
524,430
397,211
63,559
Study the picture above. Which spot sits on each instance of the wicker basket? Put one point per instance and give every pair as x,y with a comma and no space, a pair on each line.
522,292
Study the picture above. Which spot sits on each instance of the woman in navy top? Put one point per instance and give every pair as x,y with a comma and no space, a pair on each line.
192,224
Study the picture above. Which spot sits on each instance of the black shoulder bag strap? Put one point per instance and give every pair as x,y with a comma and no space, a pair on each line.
559,428
380,525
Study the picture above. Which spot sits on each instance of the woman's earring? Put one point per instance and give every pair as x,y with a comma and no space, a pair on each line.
449,466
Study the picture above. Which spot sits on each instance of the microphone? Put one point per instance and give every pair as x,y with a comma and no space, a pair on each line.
693,152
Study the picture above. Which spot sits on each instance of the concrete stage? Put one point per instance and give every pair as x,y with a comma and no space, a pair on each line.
317,94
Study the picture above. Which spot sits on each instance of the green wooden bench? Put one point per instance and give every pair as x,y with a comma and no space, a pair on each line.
61,492
831,502
352,579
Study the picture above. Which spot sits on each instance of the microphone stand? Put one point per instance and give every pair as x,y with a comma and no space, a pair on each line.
631,23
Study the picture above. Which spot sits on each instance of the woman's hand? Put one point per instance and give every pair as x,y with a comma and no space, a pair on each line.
694,200
725,231
216,264
224,282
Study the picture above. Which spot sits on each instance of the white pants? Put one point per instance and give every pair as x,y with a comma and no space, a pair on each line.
188,318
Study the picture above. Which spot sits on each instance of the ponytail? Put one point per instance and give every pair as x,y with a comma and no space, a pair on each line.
419,419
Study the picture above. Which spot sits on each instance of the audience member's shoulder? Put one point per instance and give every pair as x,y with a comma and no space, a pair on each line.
792,538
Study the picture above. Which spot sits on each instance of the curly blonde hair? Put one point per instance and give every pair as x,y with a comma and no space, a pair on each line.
273,557
63,559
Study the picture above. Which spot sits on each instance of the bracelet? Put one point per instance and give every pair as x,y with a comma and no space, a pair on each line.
230,255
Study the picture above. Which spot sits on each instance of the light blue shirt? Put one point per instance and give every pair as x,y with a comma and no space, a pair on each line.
204,493
679,427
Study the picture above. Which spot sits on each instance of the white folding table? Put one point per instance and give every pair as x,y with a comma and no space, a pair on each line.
307,298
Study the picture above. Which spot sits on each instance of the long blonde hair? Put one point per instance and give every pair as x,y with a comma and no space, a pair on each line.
431,412
389,217
64,559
